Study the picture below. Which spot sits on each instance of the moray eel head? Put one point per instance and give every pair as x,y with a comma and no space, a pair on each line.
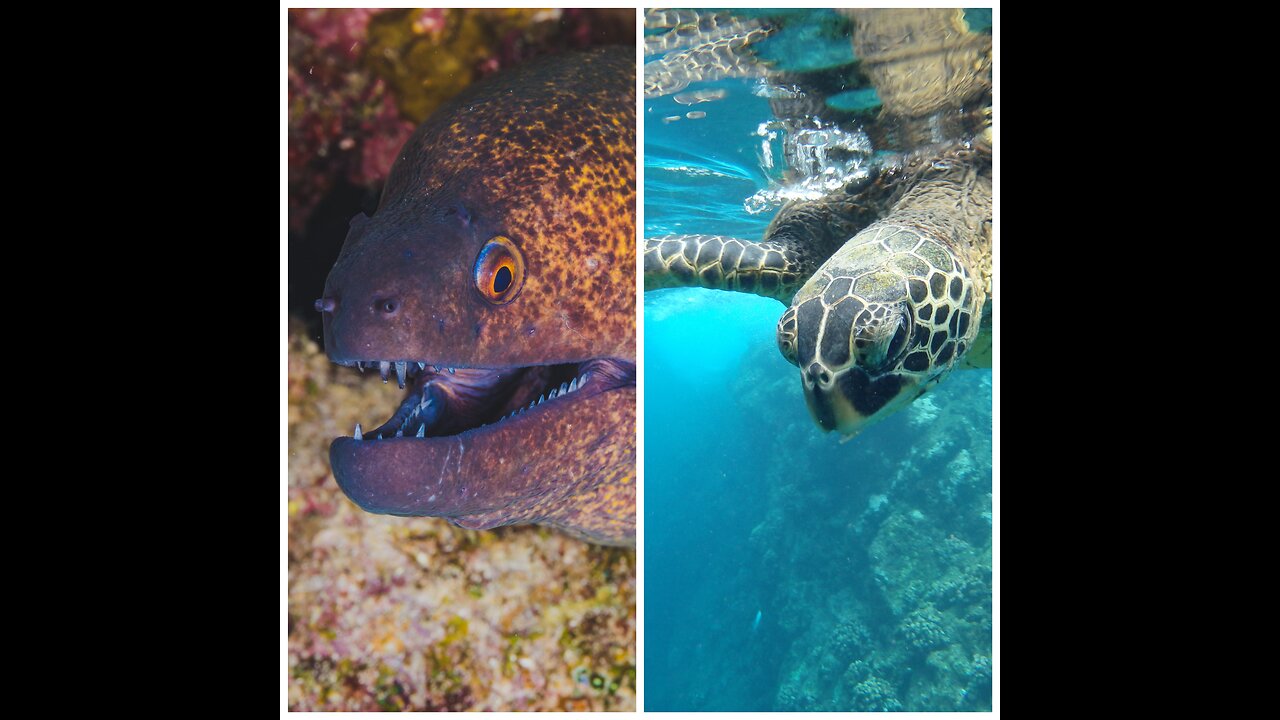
495,282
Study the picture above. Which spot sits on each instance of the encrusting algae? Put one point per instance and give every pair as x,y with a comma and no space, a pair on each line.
389,613
361,79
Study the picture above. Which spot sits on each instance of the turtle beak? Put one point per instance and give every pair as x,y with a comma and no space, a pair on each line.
850,400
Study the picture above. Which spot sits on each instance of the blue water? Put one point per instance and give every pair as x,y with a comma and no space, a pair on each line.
784,570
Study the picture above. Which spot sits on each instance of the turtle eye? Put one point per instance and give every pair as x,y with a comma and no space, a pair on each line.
499,271
897,344
787,346
786,336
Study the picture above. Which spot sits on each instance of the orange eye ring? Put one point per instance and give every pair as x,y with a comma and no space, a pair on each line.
499,271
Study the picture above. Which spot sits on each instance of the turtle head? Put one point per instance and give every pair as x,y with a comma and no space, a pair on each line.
874,328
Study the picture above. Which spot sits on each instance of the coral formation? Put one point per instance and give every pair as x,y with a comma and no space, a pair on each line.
875,694
873,558
360,80
343,122
924,629
389,613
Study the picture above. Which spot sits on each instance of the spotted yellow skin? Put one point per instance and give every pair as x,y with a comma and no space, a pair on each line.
544,157
555,160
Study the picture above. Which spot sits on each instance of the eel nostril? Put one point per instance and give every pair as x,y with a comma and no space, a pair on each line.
325,305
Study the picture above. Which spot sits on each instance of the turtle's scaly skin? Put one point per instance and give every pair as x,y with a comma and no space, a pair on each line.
901,303
771,269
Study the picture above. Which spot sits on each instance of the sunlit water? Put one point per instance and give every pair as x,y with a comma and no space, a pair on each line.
784,570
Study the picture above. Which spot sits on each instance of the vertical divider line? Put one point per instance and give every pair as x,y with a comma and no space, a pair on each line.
640,369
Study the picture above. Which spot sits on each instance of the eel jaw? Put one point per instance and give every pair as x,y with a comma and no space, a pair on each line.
467,441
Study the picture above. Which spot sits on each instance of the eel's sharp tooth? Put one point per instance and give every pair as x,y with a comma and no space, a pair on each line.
452,370
379,436
573,385
541,399
360,367
422,366
400,432
401,368
359,435
564,388
422,430
384,367
552,395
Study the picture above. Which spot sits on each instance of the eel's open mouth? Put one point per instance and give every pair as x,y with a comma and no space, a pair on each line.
444,401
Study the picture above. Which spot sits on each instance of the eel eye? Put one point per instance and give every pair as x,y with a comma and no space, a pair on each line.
499,271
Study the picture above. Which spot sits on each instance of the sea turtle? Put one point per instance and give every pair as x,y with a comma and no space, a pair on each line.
887,278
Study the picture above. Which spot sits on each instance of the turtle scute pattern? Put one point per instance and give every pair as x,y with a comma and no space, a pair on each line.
940,293
901,291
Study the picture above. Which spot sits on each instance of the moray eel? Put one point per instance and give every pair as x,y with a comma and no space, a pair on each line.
496,280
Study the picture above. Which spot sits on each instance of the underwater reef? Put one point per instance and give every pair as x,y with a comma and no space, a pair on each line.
869,561
388,613
887,592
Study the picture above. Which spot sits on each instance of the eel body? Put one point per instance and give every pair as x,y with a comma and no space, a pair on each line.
496,282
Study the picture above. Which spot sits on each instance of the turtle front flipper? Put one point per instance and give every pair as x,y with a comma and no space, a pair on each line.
768,268
797,241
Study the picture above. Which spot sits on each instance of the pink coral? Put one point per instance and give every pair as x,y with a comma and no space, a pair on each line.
384,134
333,29
335,109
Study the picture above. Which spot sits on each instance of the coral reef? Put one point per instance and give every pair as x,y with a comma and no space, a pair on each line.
360,80
879,550
924,629
343,122
874,694
390,613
